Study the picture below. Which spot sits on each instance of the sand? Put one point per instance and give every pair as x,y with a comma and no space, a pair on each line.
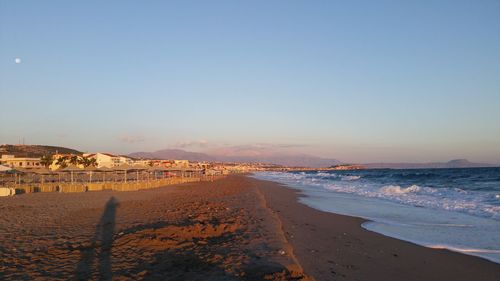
237,228
336,247
219,230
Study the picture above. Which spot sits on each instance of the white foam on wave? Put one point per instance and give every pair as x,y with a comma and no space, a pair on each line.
489,254
464,250
350,178
452,243
451,199
444,224
326,175
396,189
442,220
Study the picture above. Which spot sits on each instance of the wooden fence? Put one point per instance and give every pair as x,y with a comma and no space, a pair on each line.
99,186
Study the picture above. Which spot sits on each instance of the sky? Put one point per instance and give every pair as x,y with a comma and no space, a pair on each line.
359,81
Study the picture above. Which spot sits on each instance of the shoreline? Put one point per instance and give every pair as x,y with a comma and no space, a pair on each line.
234,228
403,205
330,245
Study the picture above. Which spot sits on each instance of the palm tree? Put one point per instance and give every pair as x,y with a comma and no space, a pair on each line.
61,162
81,161
73,160
46,160
87,162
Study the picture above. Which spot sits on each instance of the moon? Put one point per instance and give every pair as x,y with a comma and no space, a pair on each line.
18,60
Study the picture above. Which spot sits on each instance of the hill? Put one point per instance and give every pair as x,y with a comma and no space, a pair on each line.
298,160
34,150
173,154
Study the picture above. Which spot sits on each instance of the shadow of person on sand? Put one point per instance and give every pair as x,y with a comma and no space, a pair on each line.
220,257
100,246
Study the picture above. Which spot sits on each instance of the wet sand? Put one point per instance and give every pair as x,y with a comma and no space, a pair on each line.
336,247
237,228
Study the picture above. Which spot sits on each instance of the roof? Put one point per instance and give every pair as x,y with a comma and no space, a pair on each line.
70,168
20,159
4,168
107,154
125,167
105,169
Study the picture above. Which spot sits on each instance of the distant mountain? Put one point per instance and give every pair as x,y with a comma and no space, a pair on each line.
34,150
457,163
299,160
271,154
173,154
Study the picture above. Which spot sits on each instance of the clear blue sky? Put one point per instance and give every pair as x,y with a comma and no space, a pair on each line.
355,80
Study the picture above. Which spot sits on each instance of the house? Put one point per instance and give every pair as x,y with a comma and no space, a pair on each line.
204,165
20,162
59,158
181,163
126,160
142,162
109,160
104,159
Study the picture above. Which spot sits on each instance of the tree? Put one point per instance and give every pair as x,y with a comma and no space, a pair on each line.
82,161
88,162
62,162
74,160
46,160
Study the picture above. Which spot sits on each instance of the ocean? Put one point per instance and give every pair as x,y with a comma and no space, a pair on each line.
456,209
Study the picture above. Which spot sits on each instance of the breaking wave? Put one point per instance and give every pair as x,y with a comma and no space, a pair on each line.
396,189
438,195
456,209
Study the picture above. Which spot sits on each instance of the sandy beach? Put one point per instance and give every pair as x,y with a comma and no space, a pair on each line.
236,228
336,247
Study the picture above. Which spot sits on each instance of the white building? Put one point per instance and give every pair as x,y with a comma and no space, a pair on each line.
20,162
181,163
126,160
105,159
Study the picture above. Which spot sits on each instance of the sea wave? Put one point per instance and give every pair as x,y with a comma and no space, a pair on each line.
350,178
432,209
396,189
447,198
465,250
334,176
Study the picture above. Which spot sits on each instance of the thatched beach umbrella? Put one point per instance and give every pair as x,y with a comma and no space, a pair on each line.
17,174
184,171
42,172
104,170
4,169
90,170
138,169
156,169
71,169
125,168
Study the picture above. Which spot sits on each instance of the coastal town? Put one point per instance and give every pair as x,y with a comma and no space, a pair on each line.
28,169
81,172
